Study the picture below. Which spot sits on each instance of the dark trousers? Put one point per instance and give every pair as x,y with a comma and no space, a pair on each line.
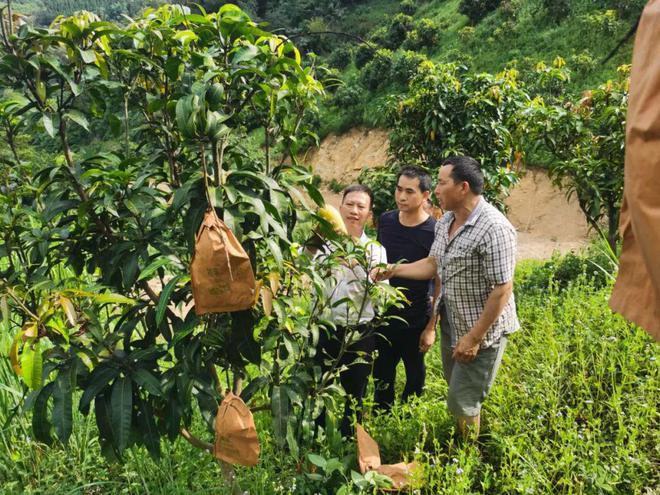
354,378
394,343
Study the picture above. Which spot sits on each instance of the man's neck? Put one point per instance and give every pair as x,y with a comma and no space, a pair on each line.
462,213
355,234
413,217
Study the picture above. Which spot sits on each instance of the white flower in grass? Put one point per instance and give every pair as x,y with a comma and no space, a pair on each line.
459,471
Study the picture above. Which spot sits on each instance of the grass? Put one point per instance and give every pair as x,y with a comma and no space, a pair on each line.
574,410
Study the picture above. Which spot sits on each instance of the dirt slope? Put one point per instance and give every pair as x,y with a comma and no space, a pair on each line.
546,221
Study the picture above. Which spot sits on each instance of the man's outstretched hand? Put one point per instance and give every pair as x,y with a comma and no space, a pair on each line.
381,273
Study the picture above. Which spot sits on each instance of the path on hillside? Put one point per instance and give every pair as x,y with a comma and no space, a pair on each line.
546,221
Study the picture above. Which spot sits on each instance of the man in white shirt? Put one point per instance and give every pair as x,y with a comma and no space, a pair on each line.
352,344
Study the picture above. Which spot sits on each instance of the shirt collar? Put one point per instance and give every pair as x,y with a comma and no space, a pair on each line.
476,212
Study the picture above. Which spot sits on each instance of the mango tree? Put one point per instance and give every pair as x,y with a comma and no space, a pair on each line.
96,241
585,140
450,111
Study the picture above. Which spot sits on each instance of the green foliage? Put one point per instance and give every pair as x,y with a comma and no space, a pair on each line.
557,10
398,29
375,73
363,54
576,382
585,139
95,247
408,7
449,111
112,10
425,35
596,266
476,10
340,57
405,65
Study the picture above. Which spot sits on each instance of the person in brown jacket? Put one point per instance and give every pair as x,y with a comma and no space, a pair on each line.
636,294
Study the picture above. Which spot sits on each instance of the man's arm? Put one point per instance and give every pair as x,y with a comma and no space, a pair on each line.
467,346
423,269
427,337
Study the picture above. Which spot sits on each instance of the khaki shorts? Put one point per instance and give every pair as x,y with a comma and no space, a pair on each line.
469,383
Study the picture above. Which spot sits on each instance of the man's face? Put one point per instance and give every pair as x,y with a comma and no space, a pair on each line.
449,193
408,195
355,210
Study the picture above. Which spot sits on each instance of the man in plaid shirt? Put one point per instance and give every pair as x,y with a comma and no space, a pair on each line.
474,255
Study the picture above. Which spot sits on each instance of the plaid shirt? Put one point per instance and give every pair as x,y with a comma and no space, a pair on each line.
481,254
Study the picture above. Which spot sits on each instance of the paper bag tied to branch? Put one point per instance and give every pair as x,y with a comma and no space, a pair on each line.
369,460
222,276
236,439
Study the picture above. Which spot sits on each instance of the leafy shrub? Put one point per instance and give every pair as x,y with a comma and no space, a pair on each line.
349,95
379,36
376,73
425,35
405,65
336,187
466,34
476,10
583,63
408,7
340,57
397,31
504,31
595,266
606,22
556,10
363,54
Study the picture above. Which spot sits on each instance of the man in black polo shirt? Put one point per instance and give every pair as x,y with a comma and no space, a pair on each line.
407,234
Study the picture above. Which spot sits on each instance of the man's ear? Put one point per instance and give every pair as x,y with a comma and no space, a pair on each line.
426,194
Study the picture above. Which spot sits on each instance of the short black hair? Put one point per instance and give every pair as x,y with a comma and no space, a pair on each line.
466,169
358,188
425,181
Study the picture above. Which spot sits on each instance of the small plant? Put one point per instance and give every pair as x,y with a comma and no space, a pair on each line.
335,186
476,10
408,7
466,34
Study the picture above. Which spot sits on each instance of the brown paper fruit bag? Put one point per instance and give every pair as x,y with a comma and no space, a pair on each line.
369,460
222,276
236,439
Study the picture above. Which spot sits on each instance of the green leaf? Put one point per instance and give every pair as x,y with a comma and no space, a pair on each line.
40,423
88,56
112,298
57,67
186,36
317,460
275,250
32,365
63,404
98,380
280,409
148,430
156,264
48,124
147,381
245,53
253,387
122,410
164,298
78,118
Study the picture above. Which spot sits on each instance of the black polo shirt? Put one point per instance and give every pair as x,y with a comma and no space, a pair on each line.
408,244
